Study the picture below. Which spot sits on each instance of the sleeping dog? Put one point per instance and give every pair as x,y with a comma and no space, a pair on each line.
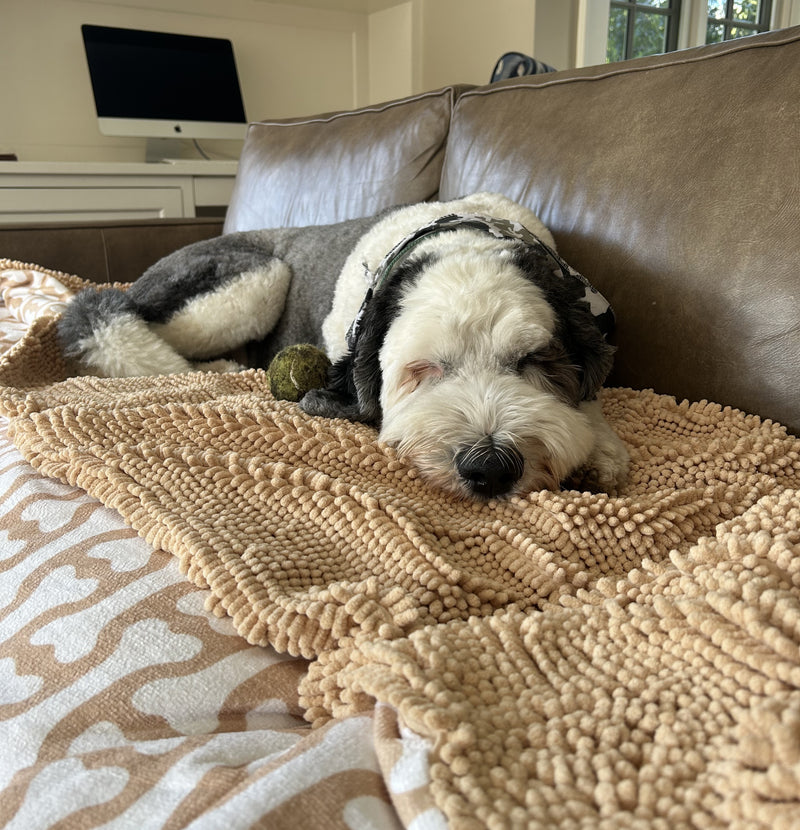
455,328
477,350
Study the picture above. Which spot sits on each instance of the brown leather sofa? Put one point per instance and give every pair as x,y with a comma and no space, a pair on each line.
672,182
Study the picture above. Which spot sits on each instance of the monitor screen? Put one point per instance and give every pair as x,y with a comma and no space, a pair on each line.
156,84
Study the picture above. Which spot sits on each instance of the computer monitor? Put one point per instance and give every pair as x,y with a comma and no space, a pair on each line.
158,85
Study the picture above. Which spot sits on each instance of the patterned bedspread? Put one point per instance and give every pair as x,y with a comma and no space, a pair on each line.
128,704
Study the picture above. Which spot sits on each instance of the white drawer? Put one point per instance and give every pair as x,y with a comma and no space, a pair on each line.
36,204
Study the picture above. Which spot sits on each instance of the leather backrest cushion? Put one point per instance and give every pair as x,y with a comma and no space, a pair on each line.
673,184
344,165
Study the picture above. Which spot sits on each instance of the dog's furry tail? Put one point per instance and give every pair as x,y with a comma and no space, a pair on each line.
103,330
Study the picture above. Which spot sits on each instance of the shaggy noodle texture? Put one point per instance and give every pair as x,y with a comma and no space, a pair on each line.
576,659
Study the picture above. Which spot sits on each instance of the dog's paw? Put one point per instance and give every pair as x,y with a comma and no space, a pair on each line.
610,463
330,404
606,469
219,366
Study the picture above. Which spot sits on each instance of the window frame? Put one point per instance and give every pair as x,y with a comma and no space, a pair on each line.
694,22
590,26
635,7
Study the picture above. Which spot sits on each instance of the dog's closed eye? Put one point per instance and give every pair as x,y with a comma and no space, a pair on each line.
552,366
417,371
542,357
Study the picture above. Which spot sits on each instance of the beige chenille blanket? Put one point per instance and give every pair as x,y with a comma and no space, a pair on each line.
574,659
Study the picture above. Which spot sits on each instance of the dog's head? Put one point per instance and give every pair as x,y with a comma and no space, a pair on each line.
473,364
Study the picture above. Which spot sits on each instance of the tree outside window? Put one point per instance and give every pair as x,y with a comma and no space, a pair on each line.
650,27
642,27
728,19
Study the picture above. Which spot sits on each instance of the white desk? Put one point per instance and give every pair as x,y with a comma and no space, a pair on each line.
33,191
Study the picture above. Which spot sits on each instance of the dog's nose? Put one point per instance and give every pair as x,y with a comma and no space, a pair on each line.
490,469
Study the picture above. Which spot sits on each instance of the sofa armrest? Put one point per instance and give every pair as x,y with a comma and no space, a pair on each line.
111,251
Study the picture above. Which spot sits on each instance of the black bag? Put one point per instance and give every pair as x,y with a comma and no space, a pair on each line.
515,65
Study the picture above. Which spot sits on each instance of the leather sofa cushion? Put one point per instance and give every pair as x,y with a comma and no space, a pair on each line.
672,183
344,165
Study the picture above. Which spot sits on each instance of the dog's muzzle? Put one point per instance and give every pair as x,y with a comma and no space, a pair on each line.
489,469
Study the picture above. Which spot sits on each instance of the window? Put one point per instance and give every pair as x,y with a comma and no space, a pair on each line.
642,27
728,19
649,27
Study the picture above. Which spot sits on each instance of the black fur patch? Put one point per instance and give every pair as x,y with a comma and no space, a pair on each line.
554,366
580,358
88,310
197,269
354,381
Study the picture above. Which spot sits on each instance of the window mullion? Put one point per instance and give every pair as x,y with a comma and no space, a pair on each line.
630,32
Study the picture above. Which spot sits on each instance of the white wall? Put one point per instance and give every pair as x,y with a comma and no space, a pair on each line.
419,45
298,57
291,61
553,19
461,40
391,65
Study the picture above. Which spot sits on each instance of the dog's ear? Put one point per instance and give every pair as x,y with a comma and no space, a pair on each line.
587,347
355,381
353,390
577,331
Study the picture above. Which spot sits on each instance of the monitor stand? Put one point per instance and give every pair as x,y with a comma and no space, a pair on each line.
164,149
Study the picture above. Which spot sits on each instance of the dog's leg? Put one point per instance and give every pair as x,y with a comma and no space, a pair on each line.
104,332
220,366
195,304
125,346
245,307
112,340
606,469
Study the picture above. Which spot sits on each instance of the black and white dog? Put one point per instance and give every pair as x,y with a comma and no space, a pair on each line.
454,328
477,350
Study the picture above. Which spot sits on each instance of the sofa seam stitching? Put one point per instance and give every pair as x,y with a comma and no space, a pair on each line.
440,93
629,70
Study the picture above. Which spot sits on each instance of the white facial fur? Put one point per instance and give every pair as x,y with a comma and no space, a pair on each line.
451,378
